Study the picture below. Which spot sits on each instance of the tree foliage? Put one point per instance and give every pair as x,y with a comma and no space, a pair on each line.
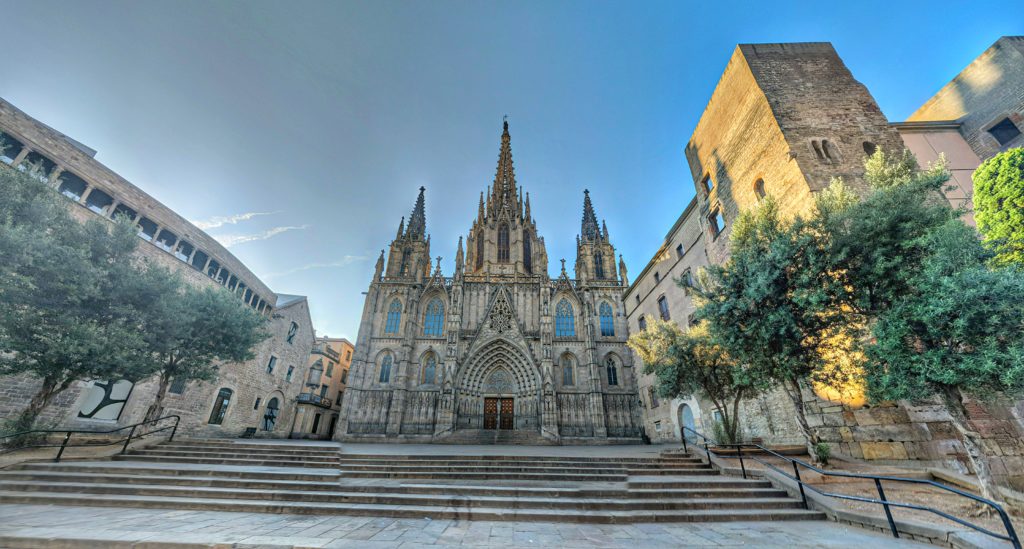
688,364
64,318
999,205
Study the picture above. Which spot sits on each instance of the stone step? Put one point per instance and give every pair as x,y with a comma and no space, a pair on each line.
700,489
546,461
257,462
255,445
500,457
249,451
454,511
220,455
520,502
551,477
327,475
679,470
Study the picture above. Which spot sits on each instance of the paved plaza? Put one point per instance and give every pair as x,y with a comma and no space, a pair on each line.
30,525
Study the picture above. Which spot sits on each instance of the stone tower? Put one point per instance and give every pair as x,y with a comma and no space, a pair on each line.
595,255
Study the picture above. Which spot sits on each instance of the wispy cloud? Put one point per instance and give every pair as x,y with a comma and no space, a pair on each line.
346,260
220,221
229,240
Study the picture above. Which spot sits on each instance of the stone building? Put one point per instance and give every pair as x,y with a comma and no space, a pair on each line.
320,401
259,393
500,350
655,294
784,120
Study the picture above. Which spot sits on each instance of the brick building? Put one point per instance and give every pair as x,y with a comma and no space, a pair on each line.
260,393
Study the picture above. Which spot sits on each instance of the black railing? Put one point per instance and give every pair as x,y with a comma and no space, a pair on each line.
66,441
314,399
887,505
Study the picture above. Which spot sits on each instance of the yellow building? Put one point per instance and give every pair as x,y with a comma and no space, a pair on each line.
320,400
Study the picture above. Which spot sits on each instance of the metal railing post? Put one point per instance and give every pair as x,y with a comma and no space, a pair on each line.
63,445
800,483
707,449
128,440
1010,532
743,468
685,450
174,429
885,505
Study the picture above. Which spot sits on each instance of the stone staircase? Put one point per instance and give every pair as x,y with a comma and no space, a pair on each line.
309,479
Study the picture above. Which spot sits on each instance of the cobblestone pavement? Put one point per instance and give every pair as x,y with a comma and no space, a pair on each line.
114,528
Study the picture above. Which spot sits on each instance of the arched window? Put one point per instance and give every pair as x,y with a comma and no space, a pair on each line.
404,268
613,371
394,317
220,407
385,369
503,243
828,149
479,250
568,372
433,322
598,265
607,321
817,150
759,189
565,323
527,252
430,369
869,148
270,416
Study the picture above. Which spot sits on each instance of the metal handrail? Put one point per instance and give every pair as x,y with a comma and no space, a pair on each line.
68,432
1010,536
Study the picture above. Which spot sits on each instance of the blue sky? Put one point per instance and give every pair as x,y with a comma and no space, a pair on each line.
325,117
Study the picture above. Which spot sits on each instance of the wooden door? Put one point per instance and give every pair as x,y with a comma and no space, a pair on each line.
491,413
507,414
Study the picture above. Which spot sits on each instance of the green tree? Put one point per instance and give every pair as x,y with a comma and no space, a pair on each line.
770,306
959,330
999,205
63,317
189,331
688,364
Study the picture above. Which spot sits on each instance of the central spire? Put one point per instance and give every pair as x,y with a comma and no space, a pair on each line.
504,194
418,220
589,228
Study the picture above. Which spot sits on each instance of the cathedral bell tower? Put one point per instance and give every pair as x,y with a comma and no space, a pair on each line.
595,255
409,255
503,240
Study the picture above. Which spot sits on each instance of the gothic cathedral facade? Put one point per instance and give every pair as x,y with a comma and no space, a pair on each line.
499,351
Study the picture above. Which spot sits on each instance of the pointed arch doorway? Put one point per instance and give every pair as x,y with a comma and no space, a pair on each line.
499,389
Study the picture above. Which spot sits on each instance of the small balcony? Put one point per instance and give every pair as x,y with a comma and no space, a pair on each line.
321,349
314,399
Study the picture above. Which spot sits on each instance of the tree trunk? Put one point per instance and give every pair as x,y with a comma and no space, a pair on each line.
954,400
792,387
736,418
39,402
157,408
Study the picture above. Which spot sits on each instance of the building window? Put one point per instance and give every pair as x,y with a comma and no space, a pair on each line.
316,424
177,386
715,222
869,148
220,407
527,252
503,243
612,371
165,241
687,281
653,396
607,320
10,148
637,299
817,150
663,308
348,355
385,369
344,376
1005,131
292,330
256,406
330,369
680,252
828,149
565,322
430,369
394,317
707,184
147,229
657,277
759,189
433,323
199,259
599,265
641,323
567,370
288,375
479,251
270,364
98,201
657,426
131,214
270,416
323,391
404,268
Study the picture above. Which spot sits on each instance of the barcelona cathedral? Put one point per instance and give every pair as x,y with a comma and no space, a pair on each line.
499,351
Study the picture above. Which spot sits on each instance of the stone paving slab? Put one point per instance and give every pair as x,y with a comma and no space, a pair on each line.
54,525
